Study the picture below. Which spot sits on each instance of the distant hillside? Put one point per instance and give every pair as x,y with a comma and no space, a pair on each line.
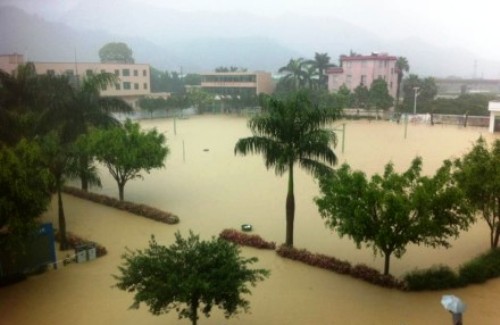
201,41
42,40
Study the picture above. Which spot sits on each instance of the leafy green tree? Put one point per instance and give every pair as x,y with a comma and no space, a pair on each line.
126,151
200,99
361,96
190,276
192,79
18,103
25,191
290,132
392,210
427,91
379,95
402,66
116,52
152,104
478,174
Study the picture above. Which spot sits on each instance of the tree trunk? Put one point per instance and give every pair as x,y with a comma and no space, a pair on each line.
83,175
194,311
494,243
121,189
387,260
63,243
290,208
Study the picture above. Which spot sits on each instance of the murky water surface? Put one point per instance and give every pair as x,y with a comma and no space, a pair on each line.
211,189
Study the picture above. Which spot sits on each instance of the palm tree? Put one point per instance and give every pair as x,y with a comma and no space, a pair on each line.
402,66
86,110
322,62
292,131
294,72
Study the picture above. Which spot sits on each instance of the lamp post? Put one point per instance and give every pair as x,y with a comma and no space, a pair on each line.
415,100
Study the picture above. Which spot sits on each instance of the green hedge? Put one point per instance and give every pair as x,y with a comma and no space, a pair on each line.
478,270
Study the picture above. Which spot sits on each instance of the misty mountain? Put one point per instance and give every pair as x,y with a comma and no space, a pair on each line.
42,40
201,41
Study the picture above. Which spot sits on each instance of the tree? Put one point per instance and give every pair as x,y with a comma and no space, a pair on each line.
18,103
402,66
200,99
379,95
116,52
189,276
25,191
392,210
126,151
361,96
294,73
292,131
427,90
321,63
478,174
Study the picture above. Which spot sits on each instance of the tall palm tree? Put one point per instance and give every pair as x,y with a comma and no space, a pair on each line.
402,66
294,72
290,132
86,110
322,62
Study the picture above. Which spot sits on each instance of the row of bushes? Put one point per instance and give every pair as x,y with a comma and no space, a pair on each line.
359,271
75,241
240,238
138,209
478,270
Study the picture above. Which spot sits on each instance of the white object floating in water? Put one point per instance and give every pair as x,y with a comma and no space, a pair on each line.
246,227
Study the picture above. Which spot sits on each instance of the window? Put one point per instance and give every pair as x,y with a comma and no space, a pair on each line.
363,80
348,64
392,70
117,86
145,85
136,73
136,86
348,80
126,85
380,64
144,73
363,63
117,72
126,72
89,72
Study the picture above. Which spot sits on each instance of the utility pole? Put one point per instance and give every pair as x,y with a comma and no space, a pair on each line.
415,100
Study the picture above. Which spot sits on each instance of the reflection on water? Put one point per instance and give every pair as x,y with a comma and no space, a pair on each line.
211,189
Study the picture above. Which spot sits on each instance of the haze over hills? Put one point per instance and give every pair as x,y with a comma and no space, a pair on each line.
201,41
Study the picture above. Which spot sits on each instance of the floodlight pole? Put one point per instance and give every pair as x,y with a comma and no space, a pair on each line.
415,100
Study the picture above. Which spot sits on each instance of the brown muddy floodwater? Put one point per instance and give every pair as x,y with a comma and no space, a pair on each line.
211,189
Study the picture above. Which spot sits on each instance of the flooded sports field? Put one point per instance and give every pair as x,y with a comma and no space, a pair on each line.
211,189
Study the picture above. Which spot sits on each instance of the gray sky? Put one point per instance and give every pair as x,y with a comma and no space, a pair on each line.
472,25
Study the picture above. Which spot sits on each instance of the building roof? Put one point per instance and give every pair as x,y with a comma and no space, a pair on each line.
373,56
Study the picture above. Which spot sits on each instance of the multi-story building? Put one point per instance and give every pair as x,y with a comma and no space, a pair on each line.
133,79
454,87
358,70
237,83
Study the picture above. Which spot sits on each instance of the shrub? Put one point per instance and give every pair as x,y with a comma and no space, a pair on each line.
244,239
436,278
374,276
138,209
481,268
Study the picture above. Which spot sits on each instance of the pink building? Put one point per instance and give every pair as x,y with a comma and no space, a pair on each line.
358,70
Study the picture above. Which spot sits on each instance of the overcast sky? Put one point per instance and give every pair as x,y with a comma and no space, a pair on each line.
473,25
